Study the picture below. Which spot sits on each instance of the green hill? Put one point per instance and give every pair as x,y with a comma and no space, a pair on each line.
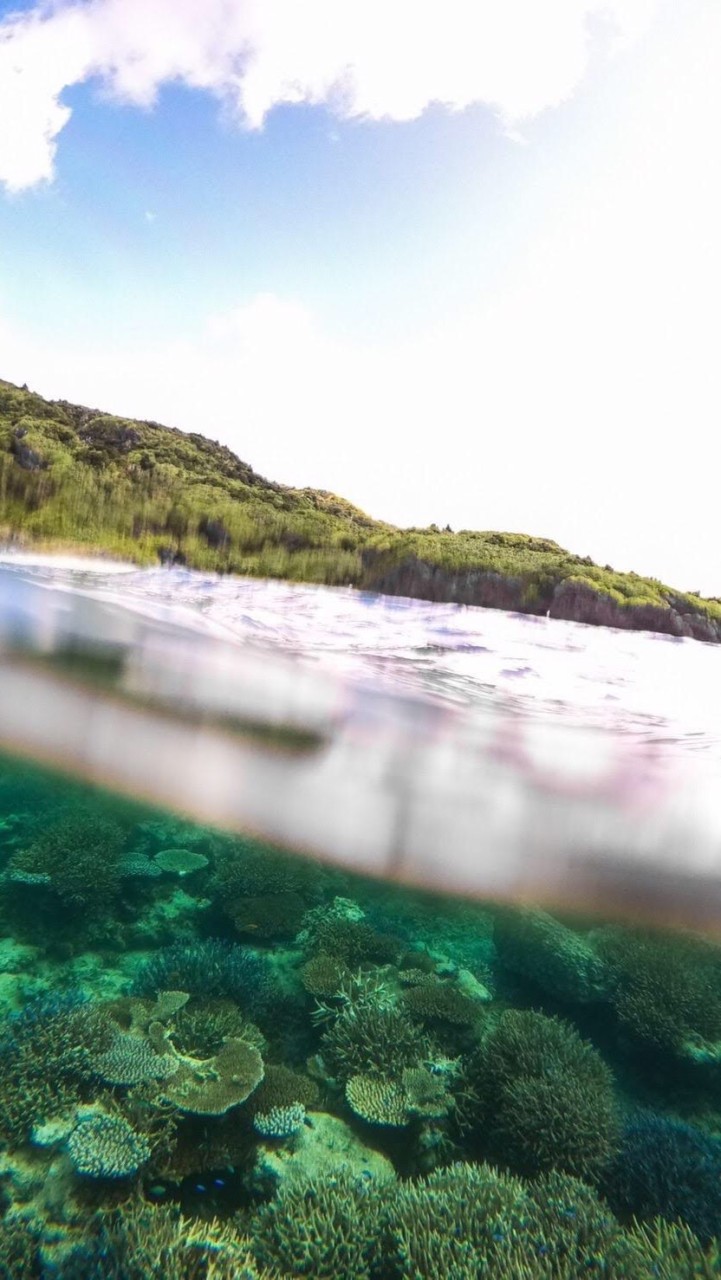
73,477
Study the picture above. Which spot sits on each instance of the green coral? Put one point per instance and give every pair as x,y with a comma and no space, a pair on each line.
324,1229
201,1027
20,1240
538,1097
417,1092
106,1146
538,947
78,858
324,975
213,1086
47,1055
366,1040
282,1087
441,1002
143,1242
666,987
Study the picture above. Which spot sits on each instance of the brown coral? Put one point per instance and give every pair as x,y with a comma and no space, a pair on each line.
212,1086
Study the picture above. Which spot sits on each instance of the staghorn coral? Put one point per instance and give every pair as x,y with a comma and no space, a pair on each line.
365,1040
671,1251
140,1242
106,1146
280,1122
537,1097
456,1222
211,969
324,975
80,854
322,1228
211,1087
46,1059
538,947
667,1169
666,988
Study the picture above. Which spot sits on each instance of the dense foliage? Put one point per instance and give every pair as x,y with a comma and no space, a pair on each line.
76,477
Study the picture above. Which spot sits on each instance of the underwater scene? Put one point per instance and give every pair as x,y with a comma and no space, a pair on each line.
221,1060
222,1057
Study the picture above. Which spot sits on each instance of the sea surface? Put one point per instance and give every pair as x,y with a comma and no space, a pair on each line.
477,1032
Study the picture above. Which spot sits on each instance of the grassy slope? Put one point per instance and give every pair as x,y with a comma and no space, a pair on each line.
75,477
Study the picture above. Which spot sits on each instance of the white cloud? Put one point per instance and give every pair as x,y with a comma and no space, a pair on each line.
377,59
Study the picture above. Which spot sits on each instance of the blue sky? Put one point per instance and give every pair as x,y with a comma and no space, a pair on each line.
494,310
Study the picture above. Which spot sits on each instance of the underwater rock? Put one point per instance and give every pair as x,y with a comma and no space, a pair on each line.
325,1147
52,1132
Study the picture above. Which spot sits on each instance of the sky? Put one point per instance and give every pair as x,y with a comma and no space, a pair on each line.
458,262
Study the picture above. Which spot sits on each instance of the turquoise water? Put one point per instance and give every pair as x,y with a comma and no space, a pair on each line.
223,1059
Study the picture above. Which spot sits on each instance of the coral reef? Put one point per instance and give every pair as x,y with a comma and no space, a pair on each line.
357,1091
209,968
666,988
322,1228
106,1146
665,1168
539,948
538,1097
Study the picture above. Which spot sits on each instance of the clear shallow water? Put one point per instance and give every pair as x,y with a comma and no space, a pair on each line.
221,1061
643,685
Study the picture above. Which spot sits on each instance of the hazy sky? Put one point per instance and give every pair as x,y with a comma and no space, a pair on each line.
459,262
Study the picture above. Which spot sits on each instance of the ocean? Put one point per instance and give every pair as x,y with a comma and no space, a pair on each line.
352,936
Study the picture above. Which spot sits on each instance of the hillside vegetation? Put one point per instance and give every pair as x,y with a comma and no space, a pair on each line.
73,477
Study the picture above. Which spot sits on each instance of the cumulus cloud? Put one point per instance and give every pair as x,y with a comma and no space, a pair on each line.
372,59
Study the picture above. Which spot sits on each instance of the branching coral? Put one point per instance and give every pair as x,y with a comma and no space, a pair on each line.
200,1028
106,1146
320,1228
666,988
394,1102
78,855
324,975
339,930
210,969
280,1122
534,945
269,915
141,1242
540,1098
441,1002
46,1059
281,1088
667,1169
365,1040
